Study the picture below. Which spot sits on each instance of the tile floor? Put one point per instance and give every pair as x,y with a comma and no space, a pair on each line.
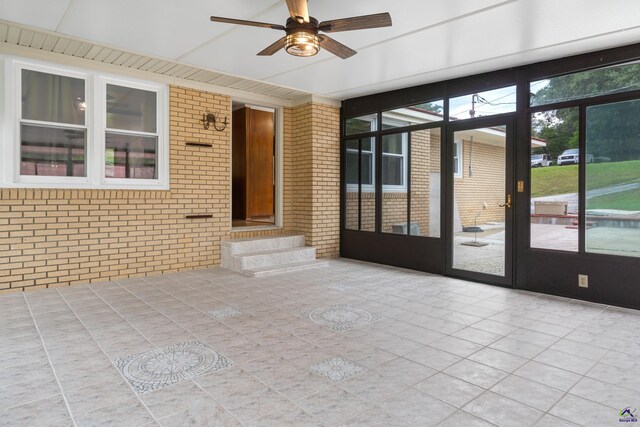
349,343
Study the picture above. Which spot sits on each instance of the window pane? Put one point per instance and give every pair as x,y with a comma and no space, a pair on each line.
351,167
392,144
586,84
426,112
368,196
554,180
457,159
425,183
488,103
394,200
52,98
352,144
366,169
129,156
46,151
361,124
613,179
392,170
131,109
367,188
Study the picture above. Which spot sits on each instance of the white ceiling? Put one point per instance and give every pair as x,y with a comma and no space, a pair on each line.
430,40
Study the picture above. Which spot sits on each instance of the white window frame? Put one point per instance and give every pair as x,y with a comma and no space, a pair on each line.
13,91
405,161
162,154
457,158
95,124
370,188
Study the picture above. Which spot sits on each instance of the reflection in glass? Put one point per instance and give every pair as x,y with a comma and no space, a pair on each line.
48,151
360,124
425,183
352,194
52,98
478,218
554,188
131,109
586,84
131,156
360,190
394,157
426,112
488,103
394,190
613,179
367,179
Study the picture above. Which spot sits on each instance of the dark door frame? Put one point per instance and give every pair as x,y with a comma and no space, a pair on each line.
507,120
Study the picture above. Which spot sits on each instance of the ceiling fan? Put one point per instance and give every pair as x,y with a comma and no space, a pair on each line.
302,31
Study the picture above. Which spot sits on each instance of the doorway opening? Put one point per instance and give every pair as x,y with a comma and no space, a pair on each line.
253,166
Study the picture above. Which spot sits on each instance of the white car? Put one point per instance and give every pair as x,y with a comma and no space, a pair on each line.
540,160
572,157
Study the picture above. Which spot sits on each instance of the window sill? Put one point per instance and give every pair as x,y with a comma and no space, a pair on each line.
41,186
255,228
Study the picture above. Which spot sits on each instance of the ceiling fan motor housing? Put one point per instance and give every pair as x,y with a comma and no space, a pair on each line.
302,38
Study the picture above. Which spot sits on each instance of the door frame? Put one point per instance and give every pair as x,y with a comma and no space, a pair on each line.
507,120
278,117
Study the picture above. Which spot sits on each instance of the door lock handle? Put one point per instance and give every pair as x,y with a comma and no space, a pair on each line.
508,202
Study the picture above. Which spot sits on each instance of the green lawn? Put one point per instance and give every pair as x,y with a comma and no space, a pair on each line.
553,180
624,201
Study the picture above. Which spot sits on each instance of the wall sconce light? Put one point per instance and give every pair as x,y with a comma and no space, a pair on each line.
209,118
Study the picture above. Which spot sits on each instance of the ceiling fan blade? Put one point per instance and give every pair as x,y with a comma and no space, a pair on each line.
249,23
356,23
298,10
337,48
273,48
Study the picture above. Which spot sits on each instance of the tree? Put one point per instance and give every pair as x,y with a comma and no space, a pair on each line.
612,130
430,106
559,128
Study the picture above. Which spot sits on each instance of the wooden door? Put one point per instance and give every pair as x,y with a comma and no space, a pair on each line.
260,165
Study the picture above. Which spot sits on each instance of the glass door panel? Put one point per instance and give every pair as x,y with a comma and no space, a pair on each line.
481,203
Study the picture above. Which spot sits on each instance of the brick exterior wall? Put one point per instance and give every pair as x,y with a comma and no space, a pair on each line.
486,185
316,176
60,237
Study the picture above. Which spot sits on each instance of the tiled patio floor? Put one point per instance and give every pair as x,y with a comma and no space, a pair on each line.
346,344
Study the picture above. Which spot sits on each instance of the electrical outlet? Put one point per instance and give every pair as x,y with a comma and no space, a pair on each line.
583,280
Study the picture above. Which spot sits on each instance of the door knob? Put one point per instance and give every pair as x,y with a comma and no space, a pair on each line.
507,203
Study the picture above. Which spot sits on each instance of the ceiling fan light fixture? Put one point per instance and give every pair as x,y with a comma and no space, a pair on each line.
302,43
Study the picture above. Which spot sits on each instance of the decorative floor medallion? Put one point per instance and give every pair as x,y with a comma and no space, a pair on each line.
340,317
155,369
224,313
336,369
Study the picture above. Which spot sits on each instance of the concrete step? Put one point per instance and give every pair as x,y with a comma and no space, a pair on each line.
272,257
258,244
283,268
267,255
